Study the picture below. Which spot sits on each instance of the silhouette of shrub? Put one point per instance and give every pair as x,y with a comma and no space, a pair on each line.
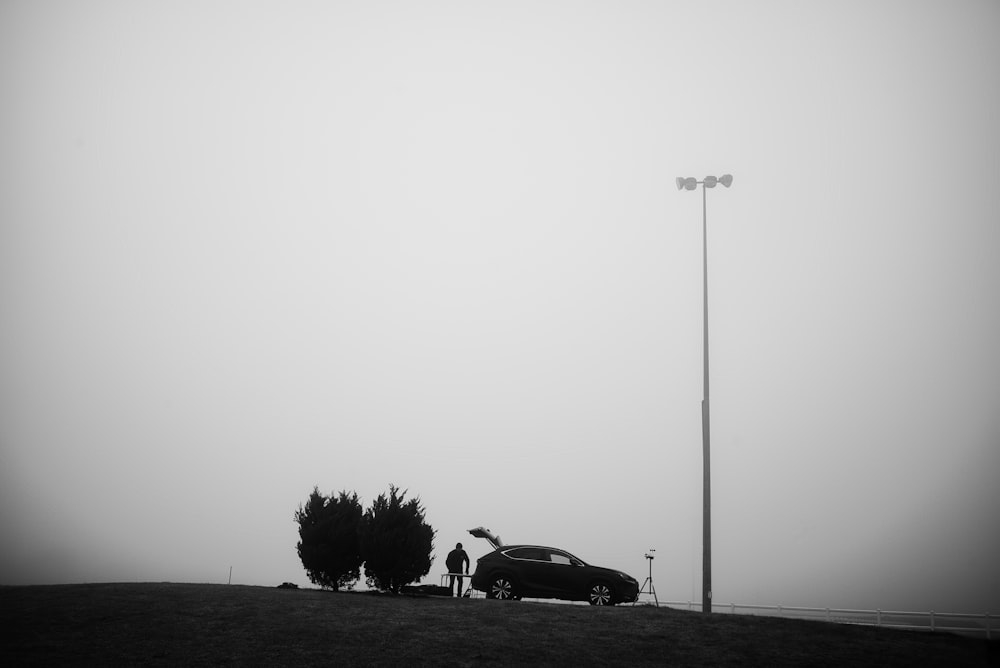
396,542
329,539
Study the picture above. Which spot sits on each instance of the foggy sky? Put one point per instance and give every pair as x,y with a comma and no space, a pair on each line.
248,248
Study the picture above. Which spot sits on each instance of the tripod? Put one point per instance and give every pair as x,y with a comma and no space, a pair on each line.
649,580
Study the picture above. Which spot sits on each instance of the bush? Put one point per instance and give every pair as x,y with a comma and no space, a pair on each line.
329,544
396,542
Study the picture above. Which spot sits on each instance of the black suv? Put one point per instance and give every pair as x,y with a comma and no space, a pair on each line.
533,571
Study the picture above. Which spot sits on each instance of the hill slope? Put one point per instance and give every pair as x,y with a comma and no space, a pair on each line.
198,624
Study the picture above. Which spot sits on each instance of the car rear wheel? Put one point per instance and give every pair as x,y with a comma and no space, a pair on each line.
600,594
501,588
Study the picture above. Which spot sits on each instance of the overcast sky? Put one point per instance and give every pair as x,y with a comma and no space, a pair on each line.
249,248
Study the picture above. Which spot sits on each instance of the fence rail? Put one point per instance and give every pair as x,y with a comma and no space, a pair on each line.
950,622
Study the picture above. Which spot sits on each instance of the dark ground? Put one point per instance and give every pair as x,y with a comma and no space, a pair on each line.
199,624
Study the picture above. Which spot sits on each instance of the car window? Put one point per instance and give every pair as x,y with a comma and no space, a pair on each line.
560,558
533,553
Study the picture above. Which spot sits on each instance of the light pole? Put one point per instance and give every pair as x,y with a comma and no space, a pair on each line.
690,183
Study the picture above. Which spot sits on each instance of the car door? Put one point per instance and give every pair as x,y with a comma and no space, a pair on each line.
566,575
530,570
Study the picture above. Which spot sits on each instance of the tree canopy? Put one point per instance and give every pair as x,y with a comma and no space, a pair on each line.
396,542
329,544
392,539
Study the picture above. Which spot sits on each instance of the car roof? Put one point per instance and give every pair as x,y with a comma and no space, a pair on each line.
507,548
544,547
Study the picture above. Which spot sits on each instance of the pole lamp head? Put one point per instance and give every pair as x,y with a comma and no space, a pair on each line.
689,183
726,180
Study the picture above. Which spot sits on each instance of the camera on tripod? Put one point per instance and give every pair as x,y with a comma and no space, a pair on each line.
651,556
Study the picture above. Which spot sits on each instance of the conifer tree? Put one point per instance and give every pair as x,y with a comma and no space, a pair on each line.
396,542
329,539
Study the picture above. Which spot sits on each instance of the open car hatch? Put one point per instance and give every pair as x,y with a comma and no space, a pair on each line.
481,532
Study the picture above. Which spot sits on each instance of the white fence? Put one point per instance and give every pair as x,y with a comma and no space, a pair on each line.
965,624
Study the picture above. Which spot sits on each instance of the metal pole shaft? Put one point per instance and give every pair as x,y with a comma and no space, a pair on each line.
706,566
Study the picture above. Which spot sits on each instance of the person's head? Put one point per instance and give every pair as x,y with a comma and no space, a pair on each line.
458,546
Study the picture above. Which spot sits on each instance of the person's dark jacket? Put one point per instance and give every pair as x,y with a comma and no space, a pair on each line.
457,558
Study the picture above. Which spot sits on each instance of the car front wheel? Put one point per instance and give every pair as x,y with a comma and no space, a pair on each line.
501,588
600,594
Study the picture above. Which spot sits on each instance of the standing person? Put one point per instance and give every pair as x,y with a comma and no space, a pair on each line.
457,558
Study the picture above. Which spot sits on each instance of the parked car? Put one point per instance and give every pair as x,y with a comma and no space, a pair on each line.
535,571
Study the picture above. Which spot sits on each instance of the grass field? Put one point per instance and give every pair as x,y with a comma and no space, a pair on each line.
198,624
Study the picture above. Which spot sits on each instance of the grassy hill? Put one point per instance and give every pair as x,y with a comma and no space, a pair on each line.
199,624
